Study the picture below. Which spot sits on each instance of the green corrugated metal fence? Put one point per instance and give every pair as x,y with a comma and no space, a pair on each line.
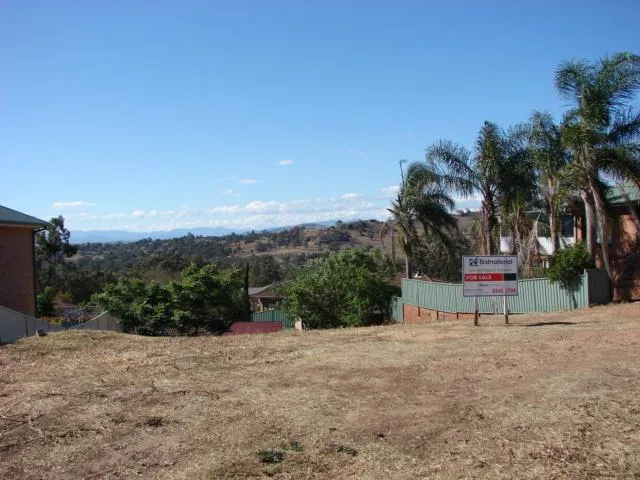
273,316
396,309
534,295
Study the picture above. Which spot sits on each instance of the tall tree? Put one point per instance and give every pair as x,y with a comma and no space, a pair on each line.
549,157
485,172
52,248
422,203
602,131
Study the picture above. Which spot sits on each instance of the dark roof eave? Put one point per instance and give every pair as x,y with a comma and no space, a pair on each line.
34,225
11,217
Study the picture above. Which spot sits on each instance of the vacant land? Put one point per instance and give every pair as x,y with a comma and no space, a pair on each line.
538,399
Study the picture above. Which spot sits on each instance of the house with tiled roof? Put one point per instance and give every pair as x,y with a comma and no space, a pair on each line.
264,298
17,260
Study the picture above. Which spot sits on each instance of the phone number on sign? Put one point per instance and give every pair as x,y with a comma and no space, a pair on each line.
502,291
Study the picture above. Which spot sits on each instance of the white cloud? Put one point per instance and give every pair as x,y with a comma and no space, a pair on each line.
113,216
72,204
356,151
228,192
285,163
257,214
350,195
247,181
476,197
390,191
471,202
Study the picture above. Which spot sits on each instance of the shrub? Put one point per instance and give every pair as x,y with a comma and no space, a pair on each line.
45,302
567,264
346,289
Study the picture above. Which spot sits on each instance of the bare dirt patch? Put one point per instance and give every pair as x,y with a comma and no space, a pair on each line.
542,398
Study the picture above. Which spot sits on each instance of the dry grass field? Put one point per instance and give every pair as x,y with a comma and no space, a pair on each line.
551,396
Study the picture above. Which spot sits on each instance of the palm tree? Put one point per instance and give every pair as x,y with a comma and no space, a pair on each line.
421,202
494,171
601,131
550,157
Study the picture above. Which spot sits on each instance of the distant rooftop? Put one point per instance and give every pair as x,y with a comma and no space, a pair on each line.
264,292
13,217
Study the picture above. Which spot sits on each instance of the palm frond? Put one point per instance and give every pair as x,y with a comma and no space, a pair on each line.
625,127
621,162
571,78
619,78
454,166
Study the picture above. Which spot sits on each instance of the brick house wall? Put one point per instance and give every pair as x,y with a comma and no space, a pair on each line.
624,255
17,288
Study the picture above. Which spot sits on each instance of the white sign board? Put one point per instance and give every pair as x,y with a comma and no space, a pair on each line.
487,276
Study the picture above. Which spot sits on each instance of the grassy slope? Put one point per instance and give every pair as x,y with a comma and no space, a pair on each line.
444,400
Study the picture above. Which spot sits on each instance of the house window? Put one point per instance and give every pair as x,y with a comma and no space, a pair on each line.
566,226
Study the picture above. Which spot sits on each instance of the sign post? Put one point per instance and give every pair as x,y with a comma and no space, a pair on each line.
505,307
489,276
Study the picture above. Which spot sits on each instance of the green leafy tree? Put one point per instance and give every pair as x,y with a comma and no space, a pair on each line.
602,131
126,300
550,158
205,299
45,302
442,261
567,264
495,170
346,289
422,203
52,249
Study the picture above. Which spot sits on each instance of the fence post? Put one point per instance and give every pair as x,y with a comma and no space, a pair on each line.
475,311
506,310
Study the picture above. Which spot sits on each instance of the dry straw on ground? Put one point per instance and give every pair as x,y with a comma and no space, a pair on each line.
445,400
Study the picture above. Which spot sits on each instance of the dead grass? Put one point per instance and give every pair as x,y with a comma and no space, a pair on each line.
445,400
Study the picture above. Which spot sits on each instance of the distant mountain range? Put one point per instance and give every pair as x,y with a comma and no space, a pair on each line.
107,236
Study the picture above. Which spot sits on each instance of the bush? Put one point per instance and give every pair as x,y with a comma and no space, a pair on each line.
567,264
44,302
206,299
346,289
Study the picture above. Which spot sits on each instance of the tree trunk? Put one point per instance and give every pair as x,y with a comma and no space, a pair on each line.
490,224
486,229
553,216
553,227
245,298
407,266
393,249
601,215
590,223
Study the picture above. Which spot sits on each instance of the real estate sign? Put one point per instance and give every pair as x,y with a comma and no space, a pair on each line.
487,276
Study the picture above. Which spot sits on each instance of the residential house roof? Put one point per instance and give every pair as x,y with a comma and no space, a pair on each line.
623,193
264,292
13,217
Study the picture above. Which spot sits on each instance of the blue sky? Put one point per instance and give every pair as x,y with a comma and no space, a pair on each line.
148,115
